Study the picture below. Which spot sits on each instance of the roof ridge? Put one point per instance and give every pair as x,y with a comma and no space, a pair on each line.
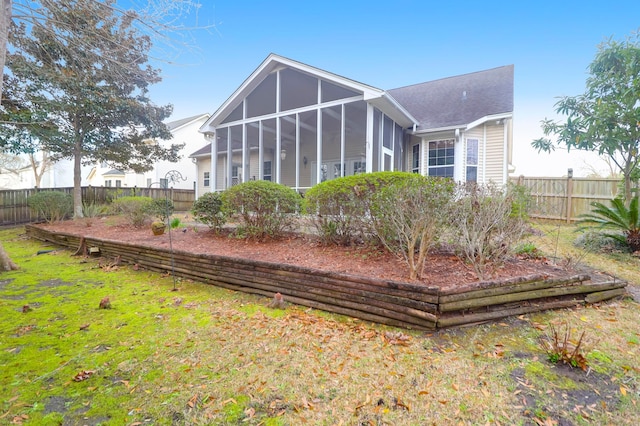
452,77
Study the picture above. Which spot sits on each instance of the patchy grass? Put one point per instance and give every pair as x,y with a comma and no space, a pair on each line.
204,355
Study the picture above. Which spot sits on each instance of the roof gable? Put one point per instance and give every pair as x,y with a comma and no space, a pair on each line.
273,63
460,100
176,124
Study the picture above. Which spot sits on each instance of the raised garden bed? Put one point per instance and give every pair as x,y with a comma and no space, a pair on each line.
385,301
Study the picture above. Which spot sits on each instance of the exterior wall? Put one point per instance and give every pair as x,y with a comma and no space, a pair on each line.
203,165
495,153
193,140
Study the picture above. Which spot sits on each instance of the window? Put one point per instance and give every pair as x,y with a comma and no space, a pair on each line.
149,182
164,183
206,178
441,158
266,171
118,183
415,158
359,167
107,183
472,160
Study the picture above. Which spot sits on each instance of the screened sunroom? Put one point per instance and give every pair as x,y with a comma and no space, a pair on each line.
298,125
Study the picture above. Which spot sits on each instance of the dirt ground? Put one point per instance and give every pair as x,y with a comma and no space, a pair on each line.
442,269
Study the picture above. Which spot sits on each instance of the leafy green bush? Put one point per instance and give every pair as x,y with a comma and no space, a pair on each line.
53,206
408,215
135,209
209,209
160,208
340,208
484,226
621,222
264,208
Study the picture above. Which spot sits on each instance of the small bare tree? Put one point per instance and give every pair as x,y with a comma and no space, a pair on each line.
408,215
486,225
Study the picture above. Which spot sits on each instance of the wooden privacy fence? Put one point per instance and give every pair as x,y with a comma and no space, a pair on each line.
15,210
388,302
566,198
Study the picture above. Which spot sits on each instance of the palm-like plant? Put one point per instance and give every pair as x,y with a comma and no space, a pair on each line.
618,217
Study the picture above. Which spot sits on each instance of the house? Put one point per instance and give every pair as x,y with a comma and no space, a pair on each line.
184,131
53,175
298,125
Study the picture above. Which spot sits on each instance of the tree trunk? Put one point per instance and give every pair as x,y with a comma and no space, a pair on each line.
5,21
5,262
77,179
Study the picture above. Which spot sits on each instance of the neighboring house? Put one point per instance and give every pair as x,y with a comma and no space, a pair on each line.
184,131
299,125
56,175
60,173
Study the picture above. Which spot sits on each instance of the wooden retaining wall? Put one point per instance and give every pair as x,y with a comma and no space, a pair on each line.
388,302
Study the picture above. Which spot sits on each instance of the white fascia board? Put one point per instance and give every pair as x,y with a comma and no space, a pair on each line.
438,129
273,63
487,119
188,123
393,109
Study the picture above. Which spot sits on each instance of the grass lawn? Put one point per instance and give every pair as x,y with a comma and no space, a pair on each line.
204,355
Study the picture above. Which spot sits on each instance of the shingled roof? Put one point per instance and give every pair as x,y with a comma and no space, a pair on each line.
459,100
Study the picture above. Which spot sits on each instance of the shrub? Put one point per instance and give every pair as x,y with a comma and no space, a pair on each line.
53,206
209,209
600,242
623,221
160,208
340,208
408,215
561,347
134,209
484,226
264,208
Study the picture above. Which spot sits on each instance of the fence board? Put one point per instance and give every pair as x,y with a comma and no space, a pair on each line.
566,198
14,209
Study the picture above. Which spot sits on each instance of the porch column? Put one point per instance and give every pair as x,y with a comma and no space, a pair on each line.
213,179
229,158
369,139
245,155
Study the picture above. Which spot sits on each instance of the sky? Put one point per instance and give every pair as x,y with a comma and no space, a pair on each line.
394,44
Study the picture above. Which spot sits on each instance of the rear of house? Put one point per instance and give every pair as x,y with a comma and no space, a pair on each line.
298,125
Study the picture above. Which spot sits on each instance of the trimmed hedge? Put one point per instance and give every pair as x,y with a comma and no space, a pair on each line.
341,208
264,208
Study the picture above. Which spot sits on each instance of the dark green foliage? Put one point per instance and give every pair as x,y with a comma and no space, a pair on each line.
53,206
83,76
135,209
264,208
160,208
625,220
409,213
605,118
520,200
340,207
209,209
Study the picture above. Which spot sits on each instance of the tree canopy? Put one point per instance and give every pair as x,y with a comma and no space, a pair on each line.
80,88
606,117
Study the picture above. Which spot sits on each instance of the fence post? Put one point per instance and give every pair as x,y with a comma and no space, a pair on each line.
569,193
